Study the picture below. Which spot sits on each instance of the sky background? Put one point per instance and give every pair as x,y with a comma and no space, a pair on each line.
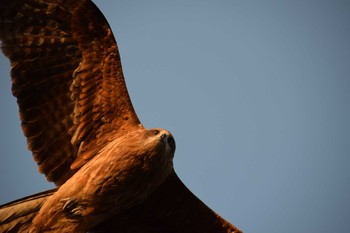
256,94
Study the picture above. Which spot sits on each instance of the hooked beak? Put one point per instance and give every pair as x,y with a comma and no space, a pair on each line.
164,138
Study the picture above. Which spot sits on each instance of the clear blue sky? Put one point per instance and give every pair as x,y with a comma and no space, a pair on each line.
256,94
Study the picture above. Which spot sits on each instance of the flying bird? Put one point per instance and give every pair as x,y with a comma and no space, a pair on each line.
111,173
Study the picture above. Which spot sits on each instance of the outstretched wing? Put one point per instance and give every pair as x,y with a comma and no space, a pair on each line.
67,77
17,216
172,208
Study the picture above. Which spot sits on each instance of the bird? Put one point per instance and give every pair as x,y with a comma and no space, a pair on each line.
111,173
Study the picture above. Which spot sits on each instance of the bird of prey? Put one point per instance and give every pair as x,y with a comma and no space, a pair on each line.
112,174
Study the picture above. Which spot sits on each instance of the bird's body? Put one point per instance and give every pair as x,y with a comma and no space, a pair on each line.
122,175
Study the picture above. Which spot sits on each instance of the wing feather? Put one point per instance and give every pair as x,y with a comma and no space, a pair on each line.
67,77
172,208
17,216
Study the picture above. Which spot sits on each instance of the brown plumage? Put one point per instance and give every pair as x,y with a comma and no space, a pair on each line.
122,175
17,216
112,173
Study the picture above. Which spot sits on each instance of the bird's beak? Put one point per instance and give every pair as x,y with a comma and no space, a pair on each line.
164,138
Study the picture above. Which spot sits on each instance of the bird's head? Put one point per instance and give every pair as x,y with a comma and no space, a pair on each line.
162,139
165,137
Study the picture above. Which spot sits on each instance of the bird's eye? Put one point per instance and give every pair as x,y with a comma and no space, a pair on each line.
156,132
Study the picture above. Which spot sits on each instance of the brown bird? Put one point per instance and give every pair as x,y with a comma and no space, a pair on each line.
112,173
